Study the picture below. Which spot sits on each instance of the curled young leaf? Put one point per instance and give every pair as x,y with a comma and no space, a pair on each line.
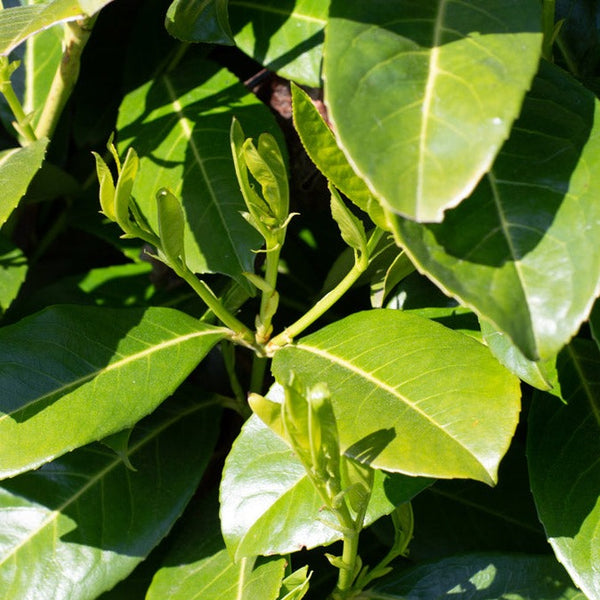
123,190
351,228
107,187
171,222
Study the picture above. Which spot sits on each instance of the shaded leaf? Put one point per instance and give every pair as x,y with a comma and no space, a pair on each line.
479,576
179,126
431,93
563,449
285,36
269,506
199,21
78,525
200,567
70,375
404,387
17,168
13,270
522,251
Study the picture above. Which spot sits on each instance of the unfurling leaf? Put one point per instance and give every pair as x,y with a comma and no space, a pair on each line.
171,222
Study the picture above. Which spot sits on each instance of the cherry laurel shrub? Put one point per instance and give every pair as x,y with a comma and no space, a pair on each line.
241,377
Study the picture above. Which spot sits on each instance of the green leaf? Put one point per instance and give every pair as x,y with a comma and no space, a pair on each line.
13,270
78,525
386,279
171,223
17,168
21,22
107,187
295,586
269,505
123,189
563,449
539,374
199,21
409,394
522,251
432,93
319,142
177,128
286,37
200,567
351,228
481,576
70,375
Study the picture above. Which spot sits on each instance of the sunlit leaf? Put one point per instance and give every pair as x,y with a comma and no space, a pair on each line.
70,375
199,21
422,93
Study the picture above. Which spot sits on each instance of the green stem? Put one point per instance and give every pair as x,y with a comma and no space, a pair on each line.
77,34
242,333
257,378
25,128
548,17
271,271
320,308
241,406
347,572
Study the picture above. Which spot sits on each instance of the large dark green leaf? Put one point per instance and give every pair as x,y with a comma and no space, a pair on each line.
423,399
523,250
269,505
481,577
200,567
13,269
17,168
71,375
78,525
179,125
424,92
563,450
285,36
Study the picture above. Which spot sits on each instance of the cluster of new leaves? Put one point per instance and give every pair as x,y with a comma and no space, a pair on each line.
460,150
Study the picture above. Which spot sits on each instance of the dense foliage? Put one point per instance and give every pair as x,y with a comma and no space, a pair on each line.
233,336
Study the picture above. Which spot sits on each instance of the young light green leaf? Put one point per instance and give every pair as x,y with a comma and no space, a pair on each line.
200,21
78,525
320,145
70,375
107,187
563,445
286,38
489,576
493,251
199,566
181,133
295,586
269,505
443,82
171,223
405,395
123,190
385,280
17,168
352,230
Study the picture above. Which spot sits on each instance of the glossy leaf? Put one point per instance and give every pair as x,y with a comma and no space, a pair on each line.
431,93
320,144
351,228
269,506
178,127
199,21
285,36
78,525
539,374
563,450
13,269
200,567
481,576
171,223
522,251
17,168
404,393
70,375
21,22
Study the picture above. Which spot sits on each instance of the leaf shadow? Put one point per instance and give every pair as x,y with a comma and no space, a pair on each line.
367,449
264,28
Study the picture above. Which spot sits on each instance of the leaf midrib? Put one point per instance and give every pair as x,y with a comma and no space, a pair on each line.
111,367
382,385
